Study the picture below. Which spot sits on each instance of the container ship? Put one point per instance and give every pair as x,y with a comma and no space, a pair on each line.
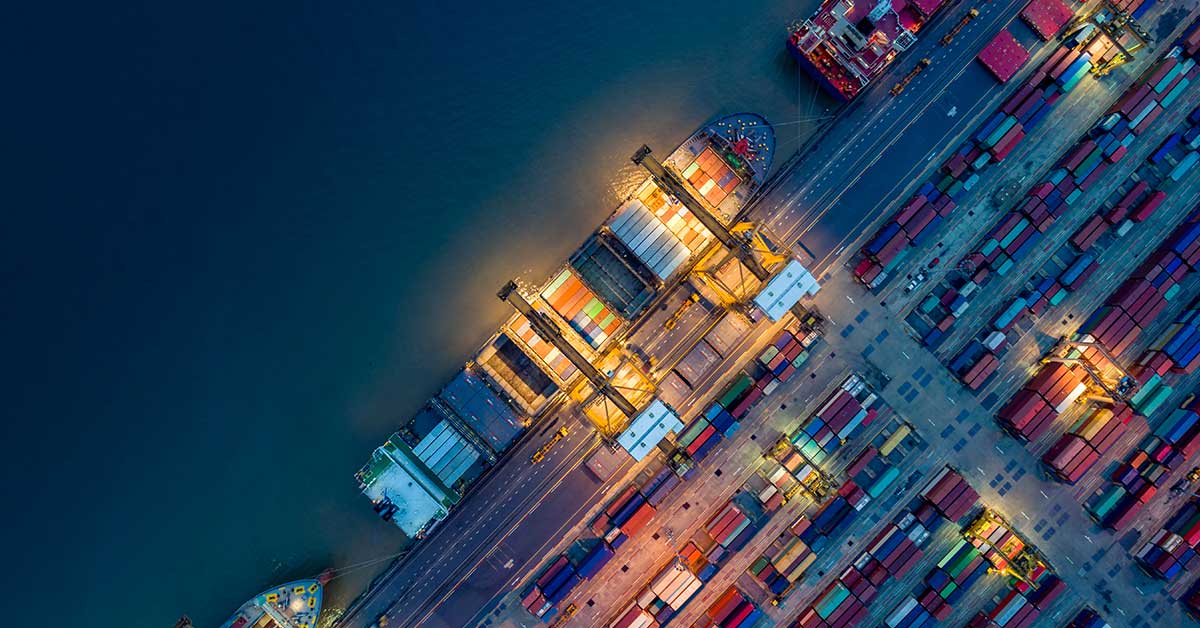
296,604
845,45
581,317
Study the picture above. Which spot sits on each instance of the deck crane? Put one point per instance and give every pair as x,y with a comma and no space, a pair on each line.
551,333
962,23
912,74
744,248
1115,390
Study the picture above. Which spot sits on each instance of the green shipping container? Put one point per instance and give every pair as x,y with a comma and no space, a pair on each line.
1107,501
883,482
1175,92
832,600
1008,123
951,554
962,563
735,391
1168,77
692,432
757,566
1156,400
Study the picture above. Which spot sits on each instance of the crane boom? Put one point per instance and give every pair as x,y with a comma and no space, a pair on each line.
550,333
670,182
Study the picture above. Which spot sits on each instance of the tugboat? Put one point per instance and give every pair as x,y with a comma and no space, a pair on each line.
296,604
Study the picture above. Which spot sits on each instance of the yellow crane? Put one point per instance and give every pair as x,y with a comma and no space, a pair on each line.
540,454
912,74
674,320
966,19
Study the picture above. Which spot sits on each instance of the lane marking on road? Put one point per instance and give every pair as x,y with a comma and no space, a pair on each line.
952,402
1026,516
1089,539
906,356
999,450
1044,494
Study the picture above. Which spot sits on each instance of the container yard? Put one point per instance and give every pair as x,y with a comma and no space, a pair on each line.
984,417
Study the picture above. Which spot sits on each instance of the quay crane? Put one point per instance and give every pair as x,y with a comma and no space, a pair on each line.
743,247
550,333
912,74
966,19
1120,389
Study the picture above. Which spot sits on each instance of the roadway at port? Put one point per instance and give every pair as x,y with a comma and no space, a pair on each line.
868,159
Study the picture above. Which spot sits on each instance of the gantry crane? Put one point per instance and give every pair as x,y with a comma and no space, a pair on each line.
744,248
966,19
1116,390
1105,18
912,74
551,334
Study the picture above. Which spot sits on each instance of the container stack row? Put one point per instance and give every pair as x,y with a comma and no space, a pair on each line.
732,610
1138,478
890,556
731,528
552,587
723,417
1147,290
627,514
1172,550
1179,347
1082,446
1020,608
1017,233
668,592
1191,600
943,586
1029,413
851,407
923,213
785,561
950,494
785,355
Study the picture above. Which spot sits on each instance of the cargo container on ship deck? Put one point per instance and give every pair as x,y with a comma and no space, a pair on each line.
649,240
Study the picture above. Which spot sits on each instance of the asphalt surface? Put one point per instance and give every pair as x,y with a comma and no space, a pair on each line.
522,513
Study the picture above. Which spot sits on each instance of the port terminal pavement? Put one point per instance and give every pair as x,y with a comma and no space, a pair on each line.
541,501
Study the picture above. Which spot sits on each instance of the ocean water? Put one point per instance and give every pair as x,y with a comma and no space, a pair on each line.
244,241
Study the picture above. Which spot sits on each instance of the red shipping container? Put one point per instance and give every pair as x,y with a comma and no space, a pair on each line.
1146,208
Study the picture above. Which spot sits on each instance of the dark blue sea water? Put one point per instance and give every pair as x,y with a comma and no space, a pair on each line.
243,241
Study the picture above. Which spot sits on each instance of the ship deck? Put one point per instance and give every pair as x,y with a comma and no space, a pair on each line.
296,604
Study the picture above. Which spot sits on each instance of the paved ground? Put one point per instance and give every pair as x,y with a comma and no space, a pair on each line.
523,513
